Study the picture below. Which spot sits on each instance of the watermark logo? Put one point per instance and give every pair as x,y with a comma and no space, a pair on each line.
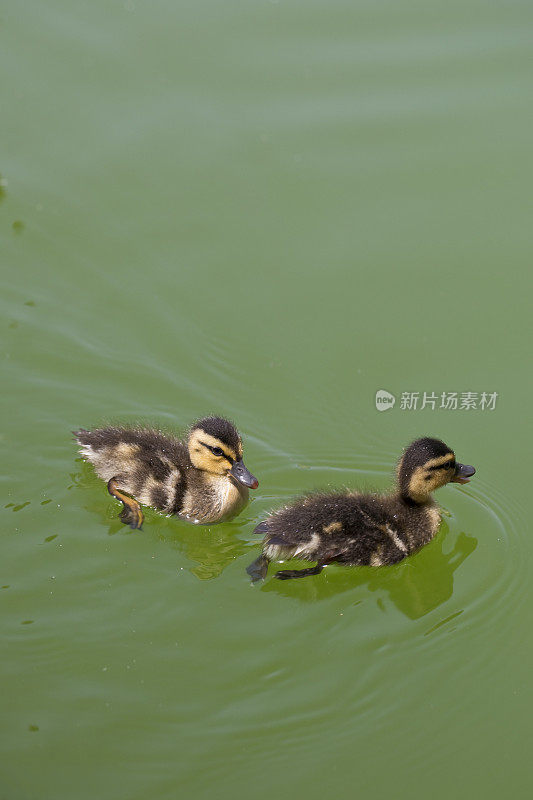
384,400
447,401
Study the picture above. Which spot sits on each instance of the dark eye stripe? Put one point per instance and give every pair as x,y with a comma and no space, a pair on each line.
210,447
446,465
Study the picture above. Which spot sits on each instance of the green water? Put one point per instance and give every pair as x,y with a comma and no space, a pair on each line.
268,210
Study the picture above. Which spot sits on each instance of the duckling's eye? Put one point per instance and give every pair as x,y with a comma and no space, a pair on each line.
217,451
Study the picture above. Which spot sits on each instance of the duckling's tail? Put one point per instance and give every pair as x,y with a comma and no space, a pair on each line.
262,527
86,441
258,569
105,450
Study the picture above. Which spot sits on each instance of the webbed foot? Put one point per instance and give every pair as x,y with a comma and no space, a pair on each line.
286,574
258,569
131,514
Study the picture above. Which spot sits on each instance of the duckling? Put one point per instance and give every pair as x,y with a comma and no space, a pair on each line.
202,479
353,528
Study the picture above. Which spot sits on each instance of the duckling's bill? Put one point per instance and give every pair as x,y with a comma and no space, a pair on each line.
243,475
463,473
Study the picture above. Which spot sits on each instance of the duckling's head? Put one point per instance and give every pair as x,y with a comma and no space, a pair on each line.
215,447
426,465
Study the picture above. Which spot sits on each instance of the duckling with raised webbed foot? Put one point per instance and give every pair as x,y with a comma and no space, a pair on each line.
353,528
202,479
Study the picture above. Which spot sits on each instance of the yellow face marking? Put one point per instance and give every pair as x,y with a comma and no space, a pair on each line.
424,480
200,437
332,527
441,461
420,488
202,457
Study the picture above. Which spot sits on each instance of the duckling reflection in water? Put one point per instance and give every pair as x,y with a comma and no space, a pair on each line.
202,479
415,586
359,529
